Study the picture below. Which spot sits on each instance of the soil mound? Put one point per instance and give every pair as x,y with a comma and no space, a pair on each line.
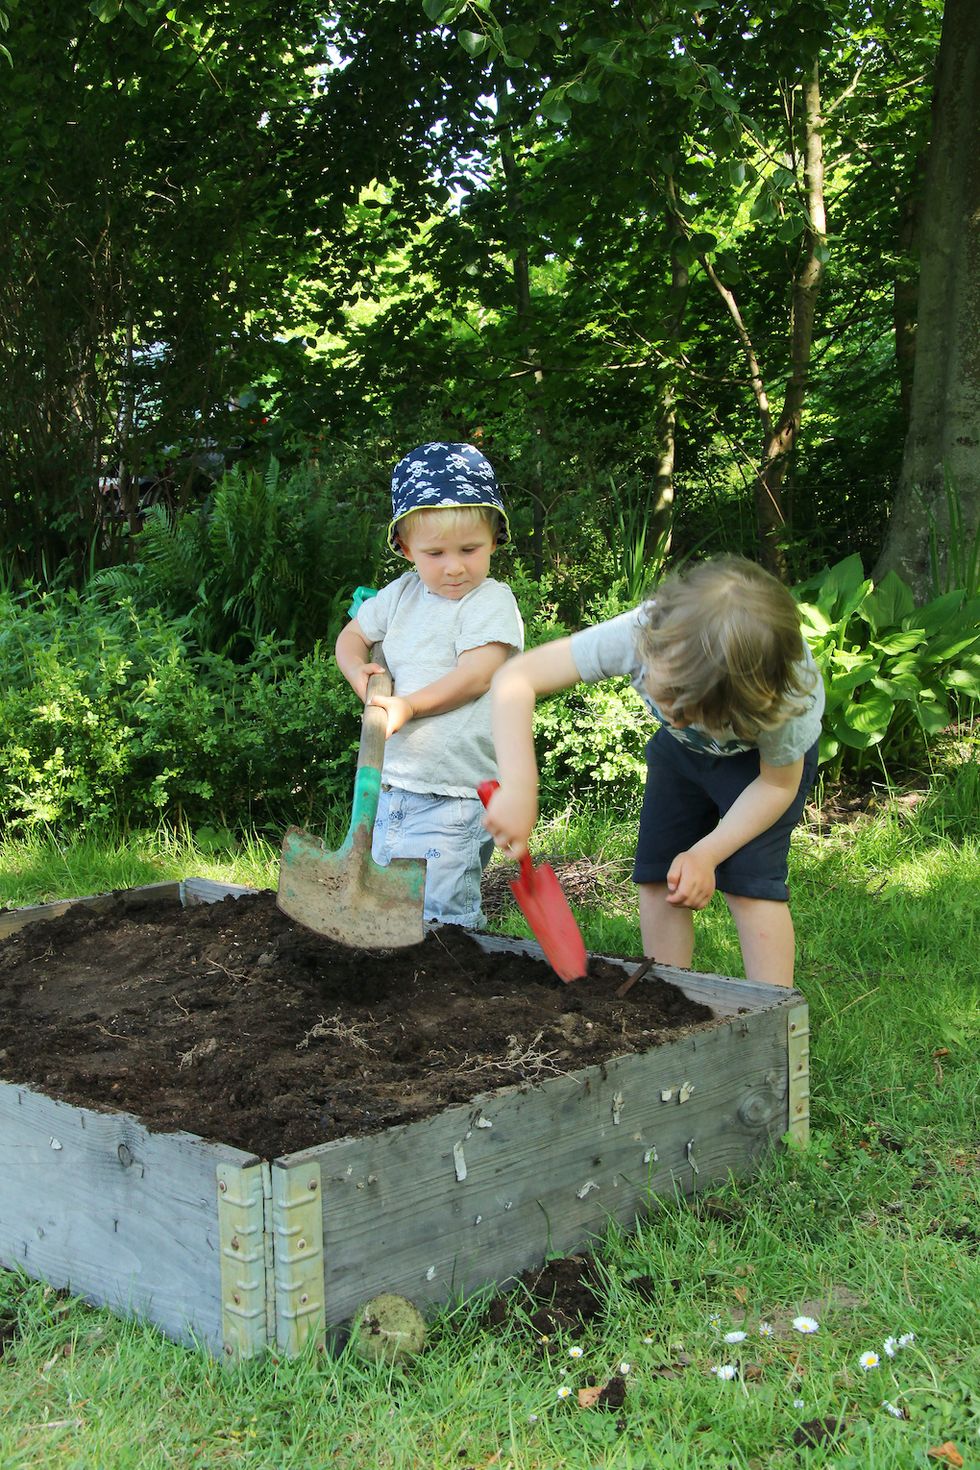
230,1021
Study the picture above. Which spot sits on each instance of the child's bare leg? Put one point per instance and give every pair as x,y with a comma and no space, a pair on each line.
667,931
765,932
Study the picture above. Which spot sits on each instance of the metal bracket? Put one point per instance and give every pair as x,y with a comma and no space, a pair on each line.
297,1243
798,1057
242,1246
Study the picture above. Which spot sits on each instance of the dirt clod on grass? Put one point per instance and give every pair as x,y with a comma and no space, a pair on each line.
232,1022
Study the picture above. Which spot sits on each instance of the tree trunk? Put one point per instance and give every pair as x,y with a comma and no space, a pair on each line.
942,450
662,510
524,310
780,444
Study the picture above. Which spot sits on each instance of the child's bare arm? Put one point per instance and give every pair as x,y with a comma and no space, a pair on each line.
513,809
691,880
467,681
353,654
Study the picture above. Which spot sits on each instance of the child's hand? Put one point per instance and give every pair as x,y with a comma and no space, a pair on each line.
691,880
360,678
398,710
509,818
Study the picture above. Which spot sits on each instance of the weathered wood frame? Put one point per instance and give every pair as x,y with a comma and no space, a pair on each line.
221,1248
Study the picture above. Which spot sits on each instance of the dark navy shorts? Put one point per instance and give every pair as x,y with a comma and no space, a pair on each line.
686,796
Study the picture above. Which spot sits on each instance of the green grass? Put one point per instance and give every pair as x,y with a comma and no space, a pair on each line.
874,1230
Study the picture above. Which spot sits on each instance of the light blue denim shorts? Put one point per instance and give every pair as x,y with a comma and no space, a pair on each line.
448,832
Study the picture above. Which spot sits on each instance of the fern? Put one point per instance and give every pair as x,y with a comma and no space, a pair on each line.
268,556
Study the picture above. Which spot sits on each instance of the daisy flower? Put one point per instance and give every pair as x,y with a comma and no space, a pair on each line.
564,1392
889,1347
906,1339
806,1324
766,1329
869,1360
648,1339
892,1409
798,1404
724,1370
576,1352
736,1336
625,1368
714,1320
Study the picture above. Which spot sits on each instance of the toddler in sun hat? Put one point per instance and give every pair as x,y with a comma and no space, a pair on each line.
445,627
440,476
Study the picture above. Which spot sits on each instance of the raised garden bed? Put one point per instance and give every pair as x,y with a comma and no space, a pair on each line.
220,1122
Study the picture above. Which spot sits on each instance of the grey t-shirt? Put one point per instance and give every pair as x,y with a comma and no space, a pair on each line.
423,636
609,649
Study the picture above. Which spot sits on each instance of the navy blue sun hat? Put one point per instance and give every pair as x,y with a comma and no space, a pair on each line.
438,476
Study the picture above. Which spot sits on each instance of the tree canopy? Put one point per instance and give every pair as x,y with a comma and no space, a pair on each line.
661,260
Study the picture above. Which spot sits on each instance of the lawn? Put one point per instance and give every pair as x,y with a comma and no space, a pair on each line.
824,1312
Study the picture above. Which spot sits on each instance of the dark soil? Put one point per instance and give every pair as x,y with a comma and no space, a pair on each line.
230,1021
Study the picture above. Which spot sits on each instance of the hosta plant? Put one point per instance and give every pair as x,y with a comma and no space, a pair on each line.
895,674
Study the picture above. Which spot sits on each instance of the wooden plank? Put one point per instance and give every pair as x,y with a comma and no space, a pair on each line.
725,994
125,1218
208,890
479,1193
13,919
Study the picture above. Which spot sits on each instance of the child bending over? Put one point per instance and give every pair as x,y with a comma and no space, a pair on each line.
717,656
445,627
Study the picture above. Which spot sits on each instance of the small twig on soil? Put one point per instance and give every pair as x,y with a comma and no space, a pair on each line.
520,1057
337,1029
197,1053
637,974
116,1035
232,974
179,1006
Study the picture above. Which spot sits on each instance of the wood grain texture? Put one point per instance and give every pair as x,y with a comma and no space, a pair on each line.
124,1218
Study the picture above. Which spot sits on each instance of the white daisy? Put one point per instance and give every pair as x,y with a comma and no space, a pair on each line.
576,1352
869,1360
806,1324
889,1347
906,1339
892,1409
625,1368
736,1336
564,1392
766,1329
724,1370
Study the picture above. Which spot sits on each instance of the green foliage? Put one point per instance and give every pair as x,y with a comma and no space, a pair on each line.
117,717
268,556
894,672
591,738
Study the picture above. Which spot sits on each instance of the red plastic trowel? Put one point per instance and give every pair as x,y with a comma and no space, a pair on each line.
541,900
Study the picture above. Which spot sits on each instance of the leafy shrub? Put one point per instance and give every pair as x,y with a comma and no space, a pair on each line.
118,718
590,738
267,556
893,671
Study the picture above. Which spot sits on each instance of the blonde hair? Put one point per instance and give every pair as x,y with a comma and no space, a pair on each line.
446,518
721,647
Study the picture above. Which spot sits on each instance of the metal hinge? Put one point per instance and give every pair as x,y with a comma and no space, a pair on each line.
798,1053
297,1245
244,1266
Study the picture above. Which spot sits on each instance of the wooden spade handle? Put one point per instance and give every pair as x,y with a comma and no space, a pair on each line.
374,721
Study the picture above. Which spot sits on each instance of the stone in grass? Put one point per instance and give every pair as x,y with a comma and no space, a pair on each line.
388,1327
